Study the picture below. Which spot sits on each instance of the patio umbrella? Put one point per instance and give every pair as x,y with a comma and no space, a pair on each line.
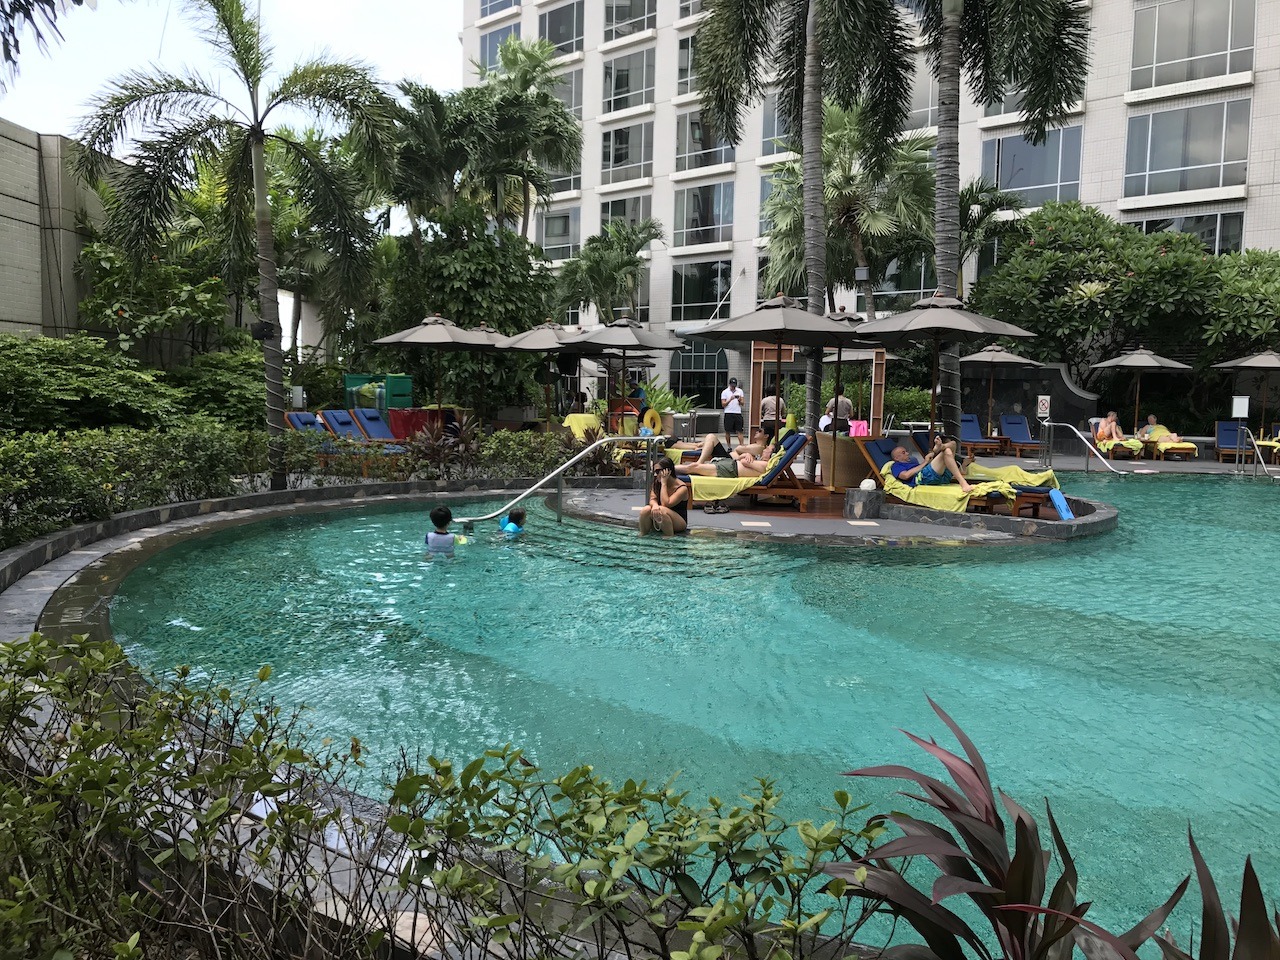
624,335
938,319
996,355
1140,360
1266,361
441,335
547,338
781,321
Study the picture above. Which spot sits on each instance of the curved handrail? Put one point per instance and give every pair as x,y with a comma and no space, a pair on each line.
1258,459
602,442
1089,447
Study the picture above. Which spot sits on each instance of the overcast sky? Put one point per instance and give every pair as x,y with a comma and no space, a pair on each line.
399,39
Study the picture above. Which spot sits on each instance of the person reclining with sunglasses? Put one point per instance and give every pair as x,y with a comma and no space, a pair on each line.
939,467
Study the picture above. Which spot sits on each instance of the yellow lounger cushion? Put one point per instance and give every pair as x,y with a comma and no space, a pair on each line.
1012,474
947,496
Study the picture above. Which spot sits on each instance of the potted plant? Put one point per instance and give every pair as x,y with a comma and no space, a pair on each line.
668,403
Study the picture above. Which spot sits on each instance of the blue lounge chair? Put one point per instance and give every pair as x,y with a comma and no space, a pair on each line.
1232,443
343,426
1017,428
971,438
781,481
372,424
301,420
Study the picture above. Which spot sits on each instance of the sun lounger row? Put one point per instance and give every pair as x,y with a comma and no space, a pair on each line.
363,424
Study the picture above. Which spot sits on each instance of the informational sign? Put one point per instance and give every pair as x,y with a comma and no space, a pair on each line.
1240,408
1042,406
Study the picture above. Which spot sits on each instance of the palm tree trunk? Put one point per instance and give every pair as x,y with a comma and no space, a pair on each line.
947,208
269,310
528,208
297,325
815,216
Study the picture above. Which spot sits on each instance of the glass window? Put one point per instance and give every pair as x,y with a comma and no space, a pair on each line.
924,97
627,209
1191,148
628,81
700,291
625,17
798,289
698,144
562,180
572,316
689,7
488,7
491,41
1219,232
1049,171
559,233
1191,39
562,27
766,188
628,153
686,79
776,130
704,214
905,282
1011,102
642,295
700,369
568,90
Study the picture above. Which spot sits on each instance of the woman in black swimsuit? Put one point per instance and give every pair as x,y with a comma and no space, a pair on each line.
668,508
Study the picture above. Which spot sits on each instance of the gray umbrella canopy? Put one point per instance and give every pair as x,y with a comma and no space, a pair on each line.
781,320
437,333
624,334
1140,360
1266,361
935,320
544,338
996,355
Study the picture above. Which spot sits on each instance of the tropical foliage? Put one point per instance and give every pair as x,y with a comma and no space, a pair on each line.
608,271
39,17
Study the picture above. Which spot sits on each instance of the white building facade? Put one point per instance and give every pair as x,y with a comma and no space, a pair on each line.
1178,130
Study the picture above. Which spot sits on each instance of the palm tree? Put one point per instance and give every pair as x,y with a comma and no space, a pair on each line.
987,215
1039,49
182,120
38,16
872,216
845,50
608,270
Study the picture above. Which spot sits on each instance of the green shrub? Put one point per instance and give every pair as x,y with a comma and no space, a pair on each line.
907,403
321,381
227,386
76,382
508,454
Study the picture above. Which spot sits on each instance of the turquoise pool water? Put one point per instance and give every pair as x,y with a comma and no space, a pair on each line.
1133,679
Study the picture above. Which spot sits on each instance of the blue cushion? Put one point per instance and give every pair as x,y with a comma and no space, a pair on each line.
881,450
790,447
1016,428
970,429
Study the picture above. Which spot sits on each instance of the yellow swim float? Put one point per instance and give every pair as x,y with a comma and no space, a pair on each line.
652,420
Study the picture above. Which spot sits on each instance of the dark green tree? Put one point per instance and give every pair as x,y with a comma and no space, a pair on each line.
608,270
176,122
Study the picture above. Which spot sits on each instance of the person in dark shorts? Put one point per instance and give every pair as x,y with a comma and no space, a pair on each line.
732,400
940,467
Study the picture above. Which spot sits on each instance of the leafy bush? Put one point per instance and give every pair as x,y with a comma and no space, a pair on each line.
907,403
76,382
321,381
229,387
49,481
508,454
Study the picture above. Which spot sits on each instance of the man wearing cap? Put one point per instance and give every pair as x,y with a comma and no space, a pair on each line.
732,400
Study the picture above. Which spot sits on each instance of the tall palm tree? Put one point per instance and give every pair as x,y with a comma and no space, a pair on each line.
182,120
872,216
847,50
607,271
987,215
1039,49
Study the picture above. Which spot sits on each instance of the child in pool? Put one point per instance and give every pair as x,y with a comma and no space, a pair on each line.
512,525
440,542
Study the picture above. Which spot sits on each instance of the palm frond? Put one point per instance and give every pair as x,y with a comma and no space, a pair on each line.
139,105
733,47
1048,44
237,37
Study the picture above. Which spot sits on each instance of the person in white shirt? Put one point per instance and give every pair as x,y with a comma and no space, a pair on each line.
732,400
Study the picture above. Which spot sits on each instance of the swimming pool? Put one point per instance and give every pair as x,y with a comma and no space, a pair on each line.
1134,679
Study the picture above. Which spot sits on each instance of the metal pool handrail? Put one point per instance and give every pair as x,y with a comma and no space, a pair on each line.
1089,447
558,472
1258,460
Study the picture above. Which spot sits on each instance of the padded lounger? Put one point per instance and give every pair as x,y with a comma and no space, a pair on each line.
971,438
1018,429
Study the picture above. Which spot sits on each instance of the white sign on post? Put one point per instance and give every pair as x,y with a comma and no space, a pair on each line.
1042,407
1240,408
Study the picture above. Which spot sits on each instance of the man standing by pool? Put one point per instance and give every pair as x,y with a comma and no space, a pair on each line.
732,400
939,468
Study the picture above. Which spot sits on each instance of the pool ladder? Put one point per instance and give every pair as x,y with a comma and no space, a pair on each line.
558,476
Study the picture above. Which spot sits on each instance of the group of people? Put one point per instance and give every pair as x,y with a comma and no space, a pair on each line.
442,543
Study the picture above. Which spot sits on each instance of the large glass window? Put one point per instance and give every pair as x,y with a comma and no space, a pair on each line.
1191,39
488,7
1191,148
568,90
797,288
700,370
698,144
562,180
704,214
628,81
562,27
1011,102
628,153
924,97
686,78
560,233
626,209
700,291
689,7
491,41
766,189
1219,232
625,17
1048,171
776,129
905,282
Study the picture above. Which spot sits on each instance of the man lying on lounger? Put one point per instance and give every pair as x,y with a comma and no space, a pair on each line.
736,466
939,468
712,449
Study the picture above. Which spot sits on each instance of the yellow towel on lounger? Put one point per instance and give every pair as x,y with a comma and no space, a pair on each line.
1133,446
1181,446
1012,474
722,488
944,496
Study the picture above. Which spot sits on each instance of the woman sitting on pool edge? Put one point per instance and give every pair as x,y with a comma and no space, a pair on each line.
939,468
668,507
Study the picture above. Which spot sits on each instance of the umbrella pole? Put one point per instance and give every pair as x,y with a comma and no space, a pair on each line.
991,402
933,390
778,419
835,410
1137,396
